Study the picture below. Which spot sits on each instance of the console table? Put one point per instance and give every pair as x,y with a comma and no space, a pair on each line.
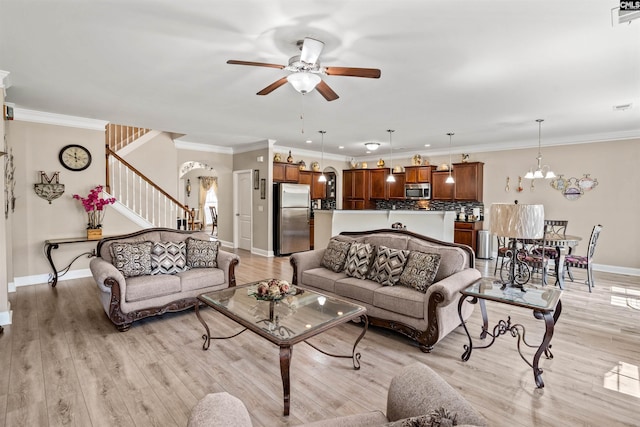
544,302
51,244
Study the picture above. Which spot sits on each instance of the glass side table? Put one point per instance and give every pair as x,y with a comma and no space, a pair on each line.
544,302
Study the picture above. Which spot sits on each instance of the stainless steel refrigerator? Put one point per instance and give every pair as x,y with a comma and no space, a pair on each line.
292,209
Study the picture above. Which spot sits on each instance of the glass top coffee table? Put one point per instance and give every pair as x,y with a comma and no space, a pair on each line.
543,301
296,317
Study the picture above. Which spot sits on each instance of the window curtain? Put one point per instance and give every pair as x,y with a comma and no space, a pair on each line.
206,184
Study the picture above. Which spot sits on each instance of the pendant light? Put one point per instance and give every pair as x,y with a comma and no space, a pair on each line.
322,178
391,178
450,179
541,171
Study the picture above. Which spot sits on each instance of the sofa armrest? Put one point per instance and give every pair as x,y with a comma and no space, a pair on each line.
418,390
450,287
303,261
103,270
227,262
219,410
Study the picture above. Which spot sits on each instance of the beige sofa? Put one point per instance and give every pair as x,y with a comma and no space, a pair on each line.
417,396
424,317
127,299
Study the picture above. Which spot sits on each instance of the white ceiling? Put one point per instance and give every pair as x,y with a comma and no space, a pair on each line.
482,69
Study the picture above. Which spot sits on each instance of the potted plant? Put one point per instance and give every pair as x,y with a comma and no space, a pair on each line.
94,205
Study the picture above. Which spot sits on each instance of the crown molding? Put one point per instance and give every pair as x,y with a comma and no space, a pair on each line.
312,153
5,80
198,146
34,116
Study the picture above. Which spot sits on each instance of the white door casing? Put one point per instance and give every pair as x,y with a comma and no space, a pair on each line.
242,208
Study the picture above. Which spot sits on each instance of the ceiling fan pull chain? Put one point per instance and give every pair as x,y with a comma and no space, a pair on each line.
302,112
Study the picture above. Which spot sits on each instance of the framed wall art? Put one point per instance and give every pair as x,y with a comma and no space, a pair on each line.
256,179
263,188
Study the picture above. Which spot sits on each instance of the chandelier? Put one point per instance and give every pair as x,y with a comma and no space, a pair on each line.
541,171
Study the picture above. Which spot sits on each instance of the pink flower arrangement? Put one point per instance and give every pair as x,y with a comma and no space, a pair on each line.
94,206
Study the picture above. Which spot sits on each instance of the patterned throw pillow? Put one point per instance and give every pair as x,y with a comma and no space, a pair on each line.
335,255
168,257
132,259
420,271
358,259
387,265
202,253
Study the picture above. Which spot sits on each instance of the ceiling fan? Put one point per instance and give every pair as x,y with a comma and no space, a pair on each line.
306,69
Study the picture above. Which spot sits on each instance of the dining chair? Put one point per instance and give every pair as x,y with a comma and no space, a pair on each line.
584,262
214,218
536,257
501,253
556,227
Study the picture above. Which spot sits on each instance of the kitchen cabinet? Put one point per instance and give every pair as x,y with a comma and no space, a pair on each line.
378,188
396,189
417,174
317,189
286,172
355,189
440,190
466,233
468,184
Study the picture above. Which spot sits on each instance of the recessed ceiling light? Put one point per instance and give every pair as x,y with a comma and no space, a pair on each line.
427,145
308,141
340,147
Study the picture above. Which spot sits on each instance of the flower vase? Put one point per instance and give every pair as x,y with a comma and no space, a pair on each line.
94,233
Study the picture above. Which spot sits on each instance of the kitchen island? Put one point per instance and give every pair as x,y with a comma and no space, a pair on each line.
328,223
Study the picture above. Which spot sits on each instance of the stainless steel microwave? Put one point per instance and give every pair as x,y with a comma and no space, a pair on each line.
417,191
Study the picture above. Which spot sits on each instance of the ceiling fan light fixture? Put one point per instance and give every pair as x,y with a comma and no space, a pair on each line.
303,82
372,146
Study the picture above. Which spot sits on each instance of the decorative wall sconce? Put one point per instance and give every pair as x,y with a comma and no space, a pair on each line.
49,188
188,187
574,188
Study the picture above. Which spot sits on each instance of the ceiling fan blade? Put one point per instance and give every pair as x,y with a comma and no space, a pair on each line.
273,86
372,73
311,50
326,91
255,64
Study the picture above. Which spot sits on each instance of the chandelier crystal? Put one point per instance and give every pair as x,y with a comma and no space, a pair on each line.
542,171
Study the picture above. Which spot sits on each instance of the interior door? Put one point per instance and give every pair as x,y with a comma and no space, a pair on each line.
243,221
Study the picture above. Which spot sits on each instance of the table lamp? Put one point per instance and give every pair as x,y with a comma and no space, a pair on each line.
516,221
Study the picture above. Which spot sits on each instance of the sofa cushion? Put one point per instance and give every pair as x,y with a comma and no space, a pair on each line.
202,253
132,259
147,287
168,257
199,278
358,260
322,278
452,259
387,265
389,240
335,255
357,289
400,299
420,271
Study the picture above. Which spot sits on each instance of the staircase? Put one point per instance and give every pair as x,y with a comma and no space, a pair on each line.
139,197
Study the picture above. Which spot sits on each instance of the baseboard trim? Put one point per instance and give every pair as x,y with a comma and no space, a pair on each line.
6,317
44,278
261,252
605,268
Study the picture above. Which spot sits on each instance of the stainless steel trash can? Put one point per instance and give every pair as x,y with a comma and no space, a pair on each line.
484,245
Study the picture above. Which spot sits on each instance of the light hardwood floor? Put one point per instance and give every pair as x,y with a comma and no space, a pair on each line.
63,362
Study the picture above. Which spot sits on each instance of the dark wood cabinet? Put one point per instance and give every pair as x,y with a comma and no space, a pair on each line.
286,172
469,181
355,189
317,188
468,184
417,174
396,189
466,233
378,188
440,190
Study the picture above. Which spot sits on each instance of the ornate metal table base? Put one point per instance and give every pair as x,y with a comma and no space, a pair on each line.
517,331
49,245
286,352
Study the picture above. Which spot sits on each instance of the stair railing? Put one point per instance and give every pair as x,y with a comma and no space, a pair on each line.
140,194
119,136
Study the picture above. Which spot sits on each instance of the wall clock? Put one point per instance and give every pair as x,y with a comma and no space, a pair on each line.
75,157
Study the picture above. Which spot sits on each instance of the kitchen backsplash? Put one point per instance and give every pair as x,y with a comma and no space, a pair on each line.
434,205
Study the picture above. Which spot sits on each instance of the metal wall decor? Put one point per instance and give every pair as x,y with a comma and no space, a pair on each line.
9,179
574,188
49,188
